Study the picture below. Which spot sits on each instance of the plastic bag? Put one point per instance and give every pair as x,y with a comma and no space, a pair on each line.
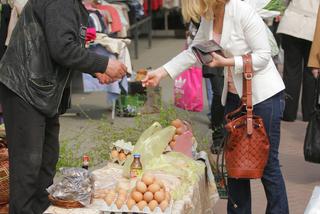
76,185
179,165
150,145
188,90
314,203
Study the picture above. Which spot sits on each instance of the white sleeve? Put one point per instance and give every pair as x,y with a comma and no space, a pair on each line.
186,58
256,37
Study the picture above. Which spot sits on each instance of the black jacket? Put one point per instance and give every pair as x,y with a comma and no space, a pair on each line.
46,47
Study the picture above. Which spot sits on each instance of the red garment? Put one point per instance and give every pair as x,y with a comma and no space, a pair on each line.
91,34
116,25
155,5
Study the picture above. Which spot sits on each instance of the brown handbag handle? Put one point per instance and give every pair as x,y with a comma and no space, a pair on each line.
247,90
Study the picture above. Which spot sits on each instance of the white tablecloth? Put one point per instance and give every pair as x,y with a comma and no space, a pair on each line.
200,199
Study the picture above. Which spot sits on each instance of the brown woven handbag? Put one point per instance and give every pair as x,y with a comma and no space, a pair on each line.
247,144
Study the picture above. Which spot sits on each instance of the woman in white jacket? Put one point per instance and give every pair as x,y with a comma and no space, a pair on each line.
297,28
239,30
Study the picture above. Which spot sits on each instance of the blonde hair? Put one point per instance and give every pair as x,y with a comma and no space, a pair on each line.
195,9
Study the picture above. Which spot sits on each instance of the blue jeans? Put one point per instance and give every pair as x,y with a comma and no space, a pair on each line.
239,189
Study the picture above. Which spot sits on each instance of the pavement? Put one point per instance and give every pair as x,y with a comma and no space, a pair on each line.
300,177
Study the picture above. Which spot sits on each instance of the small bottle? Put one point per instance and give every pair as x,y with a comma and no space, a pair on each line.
136,167
85,162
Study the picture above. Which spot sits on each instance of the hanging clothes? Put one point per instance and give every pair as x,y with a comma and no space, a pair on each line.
5,10
116,25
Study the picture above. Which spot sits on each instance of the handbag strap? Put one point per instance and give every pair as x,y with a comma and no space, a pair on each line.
247,91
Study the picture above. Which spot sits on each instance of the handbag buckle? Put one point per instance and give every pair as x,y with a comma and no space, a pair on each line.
248,76
249,108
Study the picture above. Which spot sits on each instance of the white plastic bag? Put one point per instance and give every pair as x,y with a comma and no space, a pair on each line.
314,203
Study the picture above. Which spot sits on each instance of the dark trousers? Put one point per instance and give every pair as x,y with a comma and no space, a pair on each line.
216,78
217,109
239,189
33,153
296,56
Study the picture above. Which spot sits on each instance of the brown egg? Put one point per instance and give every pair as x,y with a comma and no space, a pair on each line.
109,200
163,205
159,196
130,203
148,179
172,144
154,188
114,154
148,196
168,196
141,187
152,205
177,123
119,203
137,196
181,130
141,205
122,156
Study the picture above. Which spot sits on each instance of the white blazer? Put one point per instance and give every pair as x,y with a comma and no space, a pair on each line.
243,32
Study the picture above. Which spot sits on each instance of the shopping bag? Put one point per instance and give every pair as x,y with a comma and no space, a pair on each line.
188,90
312,138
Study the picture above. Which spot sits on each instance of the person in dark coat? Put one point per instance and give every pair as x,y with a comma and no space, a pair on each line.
32,120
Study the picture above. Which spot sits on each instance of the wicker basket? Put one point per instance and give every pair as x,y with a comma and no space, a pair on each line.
4,182
65,204
4,155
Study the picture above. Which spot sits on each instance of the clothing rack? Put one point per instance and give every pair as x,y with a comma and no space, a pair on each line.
136,27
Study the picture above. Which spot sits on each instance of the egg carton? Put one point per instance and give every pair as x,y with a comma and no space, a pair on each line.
127,147
124,209
121,145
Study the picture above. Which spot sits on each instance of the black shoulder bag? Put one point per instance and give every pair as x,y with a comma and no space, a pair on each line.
312,138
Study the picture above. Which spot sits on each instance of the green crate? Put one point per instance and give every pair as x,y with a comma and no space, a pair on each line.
130,105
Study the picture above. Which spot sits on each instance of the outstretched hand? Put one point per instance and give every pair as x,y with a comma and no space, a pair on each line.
115,69
153,78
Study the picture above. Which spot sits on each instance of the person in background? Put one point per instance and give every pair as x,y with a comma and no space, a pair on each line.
297,28
239,30
33,135
314,58
216,80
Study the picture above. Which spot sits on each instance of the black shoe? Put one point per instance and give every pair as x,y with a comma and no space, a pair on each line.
288,119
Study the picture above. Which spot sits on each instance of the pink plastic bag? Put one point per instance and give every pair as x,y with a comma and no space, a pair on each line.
188,90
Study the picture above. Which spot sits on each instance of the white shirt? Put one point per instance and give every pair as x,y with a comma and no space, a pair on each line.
243,32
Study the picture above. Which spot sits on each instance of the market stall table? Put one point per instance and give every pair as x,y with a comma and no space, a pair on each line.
200,198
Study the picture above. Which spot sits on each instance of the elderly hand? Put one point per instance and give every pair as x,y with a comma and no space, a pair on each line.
153,78
104,78
220,61
116,70
316,72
